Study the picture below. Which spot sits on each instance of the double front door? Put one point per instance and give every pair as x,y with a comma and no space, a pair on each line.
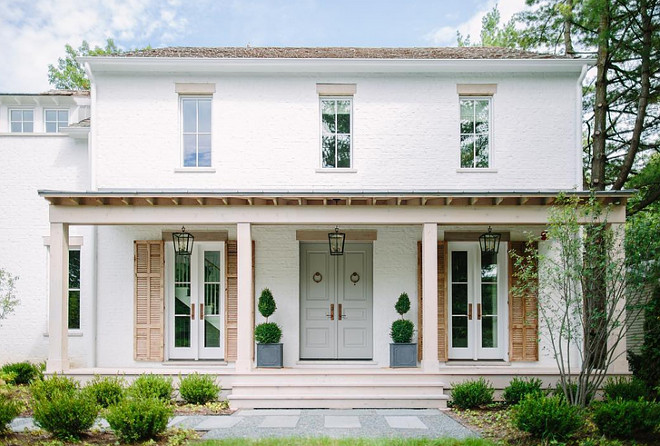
195,293
336,302
477,302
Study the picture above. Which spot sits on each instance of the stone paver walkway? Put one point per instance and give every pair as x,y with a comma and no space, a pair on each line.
379,423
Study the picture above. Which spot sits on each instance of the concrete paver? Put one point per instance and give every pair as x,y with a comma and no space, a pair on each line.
405,423
341,422
279,421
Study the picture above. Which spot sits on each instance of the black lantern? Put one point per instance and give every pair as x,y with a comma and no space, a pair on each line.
183,242
490,242
336,240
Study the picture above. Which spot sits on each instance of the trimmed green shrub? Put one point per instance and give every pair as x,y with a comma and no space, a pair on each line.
624,388
198,389
572,390
472,394
402,305
152,386
518,388
548,418
23,373
61,408
402,331
106,390
139,419
645,365
266,304
627,419
267,333
8,411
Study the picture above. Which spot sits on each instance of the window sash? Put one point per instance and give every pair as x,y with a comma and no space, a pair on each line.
472,161
54,124
199,141
74,290
21,120
335,135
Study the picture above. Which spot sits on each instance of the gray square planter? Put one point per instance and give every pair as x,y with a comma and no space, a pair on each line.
269,355
403,355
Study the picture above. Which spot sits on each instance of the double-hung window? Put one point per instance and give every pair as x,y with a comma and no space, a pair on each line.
74,289
336,132
21,120
475,128
54,120
196,131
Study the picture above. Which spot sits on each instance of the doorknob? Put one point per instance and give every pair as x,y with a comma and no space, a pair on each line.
192,312
469,312
341,314
479,311
332,312
201,312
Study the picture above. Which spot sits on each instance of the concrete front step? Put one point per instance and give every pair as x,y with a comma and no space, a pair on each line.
338,401
338,388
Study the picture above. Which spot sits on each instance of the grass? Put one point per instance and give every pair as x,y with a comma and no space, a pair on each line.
296,441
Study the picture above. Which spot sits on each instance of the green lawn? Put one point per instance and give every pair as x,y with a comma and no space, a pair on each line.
295,441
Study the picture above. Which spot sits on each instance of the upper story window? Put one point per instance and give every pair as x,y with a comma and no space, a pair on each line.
54,120
336,130
196,126
21,121
475,132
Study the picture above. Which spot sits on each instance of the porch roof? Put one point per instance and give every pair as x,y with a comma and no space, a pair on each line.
208,197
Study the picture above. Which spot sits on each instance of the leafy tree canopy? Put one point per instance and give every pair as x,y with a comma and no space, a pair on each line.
495,34
69,73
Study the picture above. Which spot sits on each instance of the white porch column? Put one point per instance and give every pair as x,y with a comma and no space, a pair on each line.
430,294
245,298
58,300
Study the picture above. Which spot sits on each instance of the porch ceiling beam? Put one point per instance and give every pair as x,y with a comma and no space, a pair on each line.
209,215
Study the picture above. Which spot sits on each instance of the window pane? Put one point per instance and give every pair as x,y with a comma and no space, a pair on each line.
204,157
16,127
459,332
328,123
344,151
16,115
212,331
74,269
489,332
51,115
467,116
328,151
51,127
189,115
28,115
489,298
328,107
488,267
212,266
481,147
182,331
343,116
459,299
63,116
482,115
459,266
74,310
189,150
28,127
182,269
204,116
467,151
182,299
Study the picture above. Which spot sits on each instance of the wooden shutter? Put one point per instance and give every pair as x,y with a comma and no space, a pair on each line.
149,300
231,298
523,315
442,301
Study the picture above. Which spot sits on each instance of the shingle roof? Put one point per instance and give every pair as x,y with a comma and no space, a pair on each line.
342,53
51,93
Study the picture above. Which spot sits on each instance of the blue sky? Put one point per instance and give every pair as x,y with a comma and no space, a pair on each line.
34,32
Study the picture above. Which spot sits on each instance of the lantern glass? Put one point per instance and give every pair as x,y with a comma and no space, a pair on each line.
490,242
183,242
336,240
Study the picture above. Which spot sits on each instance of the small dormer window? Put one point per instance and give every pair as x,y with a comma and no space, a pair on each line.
21,121
55,120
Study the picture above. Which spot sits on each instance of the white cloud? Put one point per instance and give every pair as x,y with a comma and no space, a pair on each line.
446,35
34,32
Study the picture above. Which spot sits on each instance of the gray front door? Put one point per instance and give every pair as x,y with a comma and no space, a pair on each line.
336,302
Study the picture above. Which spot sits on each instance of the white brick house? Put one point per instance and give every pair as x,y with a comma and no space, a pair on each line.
260,153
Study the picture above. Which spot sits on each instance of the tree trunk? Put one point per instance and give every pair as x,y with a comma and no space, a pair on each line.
601,106
568,41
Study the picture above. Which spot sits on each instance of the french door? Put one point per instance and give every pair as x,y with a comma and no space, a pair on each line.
195,301
477,302
336,314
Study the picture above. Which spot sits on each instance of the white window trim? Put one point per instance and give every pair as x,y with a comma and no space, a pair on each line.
491,162
9,121
183,167
57,128
351,167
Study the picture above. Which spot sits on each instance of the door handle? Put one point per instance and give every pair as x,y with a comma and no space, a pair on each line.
479,311
201,312
192,312
341,314
469,312
332,312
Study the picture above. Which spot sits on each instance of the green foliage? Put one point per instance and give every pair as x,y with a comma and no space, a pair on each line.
627,419
8,299
267,304
645,365
69,73
23,373
61,408
492,34
625,388
548,418
107,390
472,394
402,305
571,392
139,419
402,331
198,389
152,386
9,410
519,388
267,333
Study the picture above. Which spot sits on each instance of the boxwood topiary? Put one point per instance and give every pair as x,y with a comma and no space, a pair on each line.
402,330
267,333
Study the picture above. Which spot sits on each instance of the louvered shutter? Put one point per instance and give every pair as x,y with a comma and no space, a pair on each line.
442,301
231,298
149,300
523,315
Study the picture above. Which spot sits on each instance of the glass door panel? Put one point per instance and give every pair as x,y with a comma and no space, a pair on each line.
182,304
459,301
211,328
488,308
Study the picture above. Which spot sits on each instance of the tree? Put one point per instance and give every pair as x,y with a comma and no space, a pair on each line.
577,316
492,34
69,73
8,299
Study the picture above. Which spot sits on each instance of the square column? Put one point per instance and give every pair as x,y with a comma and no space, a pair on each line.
58,300
430,297
245,323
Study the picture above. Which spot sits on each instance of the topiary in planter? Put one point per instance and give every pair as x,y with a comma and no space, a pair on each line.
267,332
402,329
